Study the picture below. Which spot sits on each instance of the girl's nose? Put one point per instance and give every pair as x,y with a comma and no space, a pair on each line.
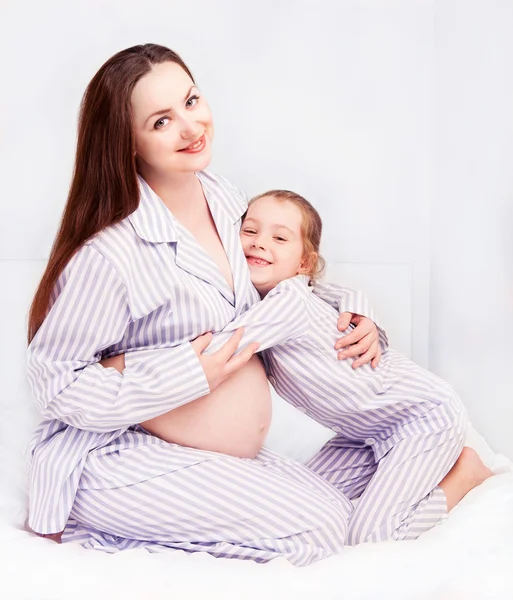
258,243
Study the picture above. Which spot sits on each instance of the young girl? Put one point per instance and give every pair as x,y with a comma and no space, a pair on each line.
400,429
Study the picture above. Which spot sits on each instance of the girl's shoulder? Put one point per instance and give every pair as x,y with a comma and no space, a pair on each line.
299,286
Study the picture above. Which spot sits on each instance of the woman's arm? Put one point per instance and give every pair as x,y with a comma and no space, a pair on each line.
90,314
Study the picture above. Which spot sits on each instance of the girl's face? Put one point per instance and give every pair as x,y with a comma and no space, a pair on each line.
272,242
172,123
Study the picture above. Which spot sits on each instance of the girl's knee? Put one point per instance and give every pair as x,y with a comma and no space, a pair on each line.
460,422
361,529
455,416
357,533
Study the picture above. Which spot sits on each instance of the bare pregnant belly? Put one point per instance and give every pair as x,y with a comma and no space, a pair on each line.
233,419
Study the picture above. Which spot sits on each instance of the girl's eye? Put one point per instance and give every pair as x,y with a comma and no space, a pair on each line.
249,231
280,239
192,101
161,122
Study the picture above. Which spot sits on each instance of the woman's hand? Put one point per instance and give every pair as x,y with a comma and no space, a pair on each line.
221,364
363,341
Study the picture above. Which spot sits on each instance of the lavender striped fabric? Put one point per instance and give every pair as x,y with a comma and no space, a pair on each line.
146,288
405,424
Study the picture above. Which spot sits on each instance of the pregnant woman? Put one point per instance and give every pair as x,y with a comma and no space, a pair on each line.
146,261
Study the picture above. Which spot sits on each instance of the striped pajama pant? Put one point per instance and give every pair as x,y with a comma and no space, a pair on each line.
141,491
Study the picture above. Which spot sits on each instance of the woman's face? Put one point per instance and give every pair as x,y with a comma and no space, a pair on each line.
172,122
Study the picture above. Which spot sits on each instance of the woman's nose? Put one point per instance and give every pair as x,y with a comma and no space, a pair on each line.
189,129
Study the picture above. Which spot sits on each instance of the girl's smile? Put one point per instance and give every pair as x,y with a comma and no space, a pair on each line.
272,242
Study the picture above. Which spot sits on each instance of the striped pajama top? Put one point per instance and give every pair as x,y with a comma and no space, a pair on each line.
146,288
378,407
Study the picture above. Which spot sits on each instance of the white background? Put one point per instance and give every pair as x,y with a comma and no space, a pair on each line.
394,117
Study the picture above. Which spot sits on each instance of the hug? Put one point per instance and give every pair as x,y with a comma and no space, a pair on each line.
167,305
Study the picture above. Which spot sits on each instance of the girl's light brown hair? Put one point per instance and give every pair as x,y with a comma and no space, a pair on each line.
104,189
311,229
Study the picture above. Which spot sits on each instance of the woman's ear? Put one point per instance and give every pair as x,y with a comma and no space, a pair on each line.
307,266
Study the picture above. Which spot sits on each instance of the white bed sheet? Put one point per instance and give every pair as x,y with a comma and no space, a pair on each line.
469,556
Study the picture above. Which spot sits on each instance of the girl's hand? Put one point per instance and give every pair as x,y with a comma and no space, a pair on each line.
362,342
221,364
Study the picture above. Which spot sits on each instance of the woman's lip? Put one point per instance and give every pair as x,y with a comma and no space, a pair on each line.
257,262
196,146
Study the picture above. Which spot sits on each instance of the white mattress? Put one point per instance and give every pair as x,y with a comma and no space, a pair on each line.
469,556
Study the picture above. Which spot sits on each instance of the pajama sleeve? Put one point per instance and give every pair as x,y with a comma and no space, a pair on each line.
347,300
278,318
91,312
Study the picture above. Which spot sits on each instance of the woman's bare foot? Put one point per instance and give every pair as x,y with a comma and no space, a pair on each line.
468,472
56,537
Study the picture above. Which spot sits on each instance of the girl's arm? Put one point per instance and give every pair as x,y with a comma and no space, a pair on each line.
90,314
278,318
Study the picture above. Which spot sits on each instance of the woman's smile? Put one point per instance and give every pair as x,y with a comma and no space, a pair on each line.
197,146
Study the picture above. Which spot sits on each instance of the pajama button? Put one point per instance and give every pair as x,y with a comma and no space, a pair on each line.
272,380
301,409
337,429
369,441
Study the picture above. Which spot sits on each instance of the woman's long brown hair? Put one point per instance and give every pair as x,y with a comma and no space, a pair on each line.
104,188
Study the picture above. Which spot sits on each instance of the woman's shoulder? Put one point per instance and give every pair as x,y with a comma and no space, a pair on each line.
115,241
112,248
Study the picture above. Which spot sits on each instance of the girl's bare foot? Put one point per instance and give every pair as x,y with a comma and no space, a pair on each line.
468,472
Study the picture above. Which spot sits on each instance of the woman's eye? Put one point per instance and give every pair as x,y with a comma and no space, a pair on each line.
192,101
160,123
